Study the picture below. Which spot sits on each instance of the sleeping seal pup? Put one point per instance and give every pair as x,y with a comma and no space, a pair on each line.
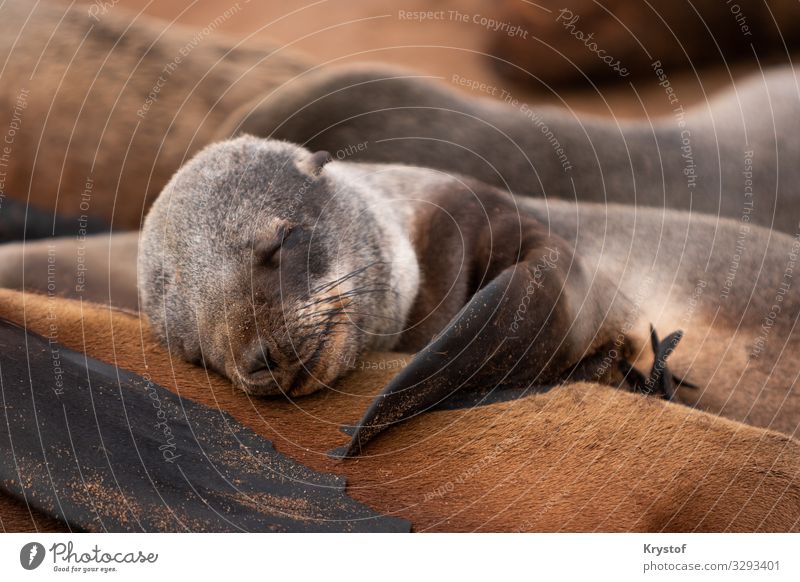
276,267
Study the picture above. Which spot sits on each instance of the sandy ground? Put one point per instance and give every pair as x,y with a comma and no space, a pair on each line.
335,31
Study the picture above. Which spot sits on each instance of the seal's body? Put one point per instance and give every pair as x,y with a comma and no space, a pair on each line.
733,156
100,268
588,458
101,106
276,268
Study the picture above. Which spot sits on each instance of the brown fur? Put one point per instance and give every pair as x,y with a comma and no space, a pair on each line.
81,83
634,34
15,516
580,458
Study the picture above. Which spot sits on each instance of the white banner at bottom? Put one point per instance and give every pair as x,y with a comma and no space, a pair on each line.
387,557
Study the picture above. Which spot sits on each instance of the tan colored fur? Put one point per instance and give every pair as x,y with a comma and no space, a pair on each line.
74,85
580,458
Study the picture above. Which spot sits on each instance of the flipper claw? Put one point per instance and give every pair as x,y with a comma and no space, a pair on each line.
660,382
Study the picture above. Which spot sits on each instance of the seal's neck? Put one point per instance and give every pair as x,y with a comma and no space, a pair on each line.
377,194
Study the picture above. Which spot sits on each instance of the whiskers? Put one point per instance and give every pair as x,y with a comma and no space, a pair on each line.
327,311
330,321
344,278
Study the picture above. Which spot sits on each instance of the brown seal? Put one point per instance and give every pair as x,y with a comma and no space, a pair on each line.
100,268
101,106
625,458
618,40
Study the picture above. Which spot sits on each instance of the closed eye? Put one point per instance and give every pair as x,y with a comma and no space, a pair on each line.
267,252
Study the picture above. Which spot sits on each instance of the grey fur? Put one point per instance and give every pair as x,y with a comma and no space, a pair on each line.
404,117
99,268
200,281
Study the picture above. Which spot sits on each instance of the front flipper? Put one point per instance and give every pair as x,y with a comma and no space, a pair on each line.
519,329
439,370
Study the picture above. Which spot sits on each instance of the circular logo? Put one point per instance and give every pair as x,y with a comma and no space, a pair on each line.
31,555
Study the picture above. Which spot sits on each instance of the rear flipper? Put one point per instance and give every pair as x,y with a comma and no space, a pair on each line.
21,221
661,382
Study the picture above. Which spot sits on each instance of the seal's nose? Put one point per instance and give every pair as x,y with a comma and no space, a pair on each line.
257,362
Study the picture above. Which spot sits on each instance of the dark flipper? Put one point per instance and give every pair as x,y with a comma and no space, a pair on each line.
104,449
435,373
660,382
20,221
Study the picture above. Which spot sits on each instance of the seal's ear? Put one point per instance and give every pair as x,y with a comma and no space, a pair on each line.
313,164
318,160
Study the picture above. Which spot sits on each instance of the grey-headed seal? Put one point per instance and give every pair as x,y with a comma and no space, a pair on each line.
732,156
276,266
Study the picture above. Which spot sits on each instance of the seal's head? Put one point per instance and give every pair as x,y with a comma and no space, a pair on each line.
272,266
